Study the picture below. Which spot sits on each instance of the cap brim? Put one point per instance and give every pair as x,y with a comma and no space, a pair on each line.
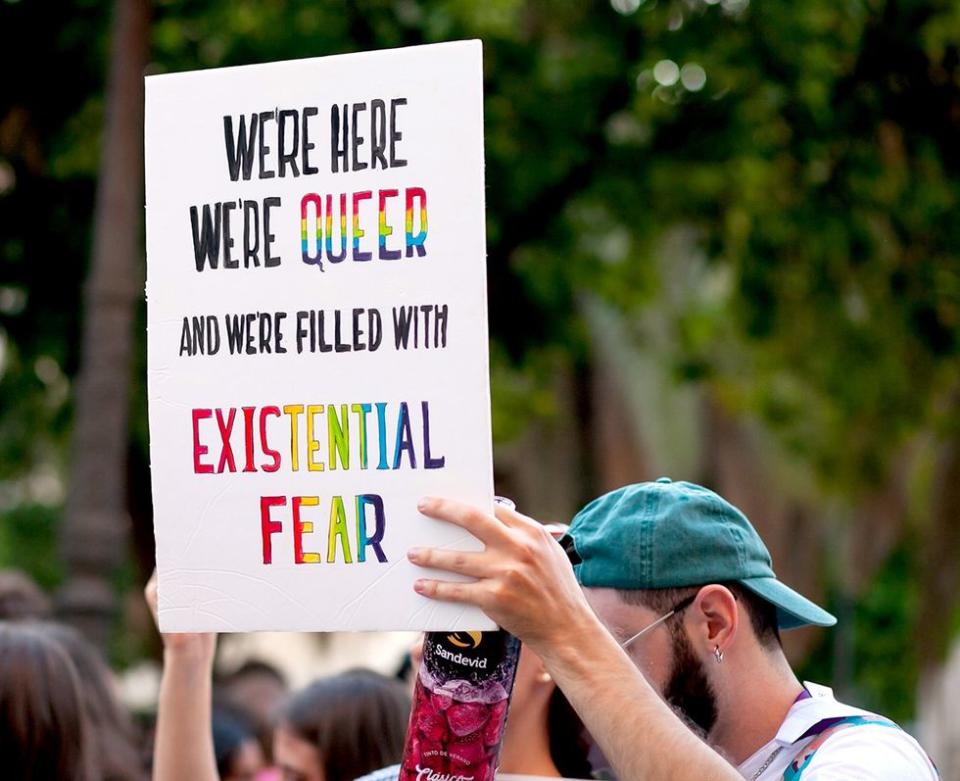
793,610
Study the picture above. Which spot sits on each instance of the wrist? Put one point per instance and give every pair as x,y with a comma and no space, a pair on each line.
572,642
189,656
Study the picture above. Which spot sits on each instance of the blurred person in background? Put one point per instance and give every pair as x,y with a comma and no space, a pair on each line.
113,739
236,748
112,735
21,599
256,690
43,726
342,727
256,687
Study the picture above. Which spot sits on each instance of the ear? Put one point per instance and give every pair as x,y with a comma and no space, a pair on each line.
715,618
542,677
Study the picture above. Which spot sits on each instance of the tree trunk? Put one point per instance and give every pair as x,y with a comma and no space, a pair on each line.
95,528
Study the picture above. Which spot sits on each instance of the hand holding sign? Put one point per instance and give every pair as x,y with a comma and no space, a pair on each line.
522,579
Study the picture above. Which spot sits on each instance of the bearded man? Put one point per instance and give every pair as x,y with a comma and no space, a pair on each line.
665,636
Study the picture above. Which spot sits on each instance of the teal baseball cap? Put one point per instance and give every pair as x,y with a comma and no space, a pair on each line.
667,534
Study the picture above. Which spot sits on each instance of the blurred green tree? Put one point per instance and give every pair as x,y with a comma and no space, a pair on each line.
806,149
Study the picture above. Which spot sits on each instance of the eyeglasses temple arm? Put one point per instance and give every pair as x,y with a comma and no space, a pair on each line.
647,628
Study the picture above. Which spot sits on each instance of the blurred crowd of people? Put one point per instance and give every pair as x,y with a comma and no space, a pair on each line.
61,716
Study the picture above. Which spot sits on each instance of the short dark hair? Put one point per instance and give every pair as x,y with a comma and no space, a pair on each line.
763,614
357,720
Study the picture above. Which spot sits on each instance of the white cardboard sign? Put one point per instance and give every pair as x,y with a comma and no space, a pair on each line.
317,348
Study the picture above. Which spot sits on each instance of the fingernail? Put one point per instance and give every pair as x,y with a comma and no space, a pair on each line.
414,553
420,586
423,503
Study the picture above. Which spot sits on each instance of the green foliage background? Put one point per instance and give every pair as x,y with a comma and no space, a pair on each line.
816,167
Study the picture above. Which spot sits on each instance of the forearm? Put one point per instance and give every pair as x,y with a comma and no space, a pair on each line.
635,729
183,747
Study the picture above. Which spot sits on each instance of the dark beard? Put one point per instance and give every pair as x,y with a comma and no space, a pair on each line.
688,690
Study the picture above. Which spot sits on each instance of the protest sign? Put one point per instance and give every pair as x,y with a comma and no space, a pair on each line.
317,349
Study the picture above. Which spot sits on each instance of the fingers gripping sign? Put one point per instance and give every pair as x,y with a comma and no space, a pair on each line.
201,646
522,578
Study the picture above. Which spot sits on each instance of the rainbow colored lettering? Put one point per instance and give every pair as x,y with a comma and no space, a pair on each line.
317,233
